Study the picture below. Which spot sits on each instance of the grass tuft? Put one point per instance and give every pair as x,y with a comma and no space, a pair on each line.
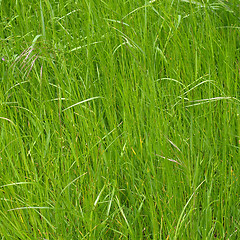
119,119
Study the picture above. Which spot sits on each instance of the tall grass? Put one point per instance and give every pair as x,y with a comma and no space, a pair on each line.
119,119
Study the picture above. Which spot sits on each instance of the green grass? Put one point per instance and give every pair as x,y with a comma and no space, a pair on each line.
120,119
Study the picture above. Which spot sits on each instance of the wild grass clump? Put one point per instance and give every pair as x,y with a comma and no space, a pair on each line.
119,119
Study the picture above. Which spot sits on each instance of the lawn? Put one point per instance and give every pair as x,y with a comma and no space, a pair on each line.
119,119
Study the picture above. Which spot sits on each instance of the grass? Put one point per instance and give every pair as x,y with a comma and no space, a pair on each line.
119,119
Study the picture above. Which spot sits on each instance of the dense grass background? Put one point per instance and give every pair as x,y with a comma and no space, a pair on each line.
119,119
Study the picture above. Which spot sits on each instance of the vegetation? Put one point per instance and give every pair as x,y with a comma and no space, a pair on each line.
119,119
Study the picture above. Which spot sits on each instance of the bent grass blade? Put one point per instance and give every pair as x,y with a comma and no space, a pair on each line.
86,100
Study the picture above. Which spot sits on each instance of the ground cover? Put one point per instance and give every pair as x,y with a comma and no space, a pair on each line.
119,119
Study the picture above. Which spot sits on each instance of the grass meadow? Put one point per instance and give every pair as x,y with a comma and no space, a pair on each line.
119,119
